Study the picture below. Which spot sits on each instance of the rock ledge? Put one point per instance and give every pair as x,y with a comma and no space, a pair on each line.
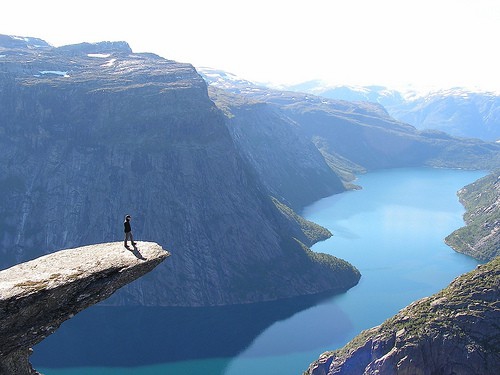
37,296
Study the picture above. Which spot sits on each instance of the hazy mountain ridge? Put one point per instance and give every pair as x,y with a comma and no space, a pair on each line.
290,166
358,136
91,132
458,111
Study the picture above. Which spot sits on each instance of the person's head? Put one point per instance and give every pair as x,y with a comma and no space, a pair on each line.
128,217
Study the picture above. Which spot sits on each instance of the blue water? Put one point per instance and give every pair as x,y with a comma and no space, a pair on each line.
392,231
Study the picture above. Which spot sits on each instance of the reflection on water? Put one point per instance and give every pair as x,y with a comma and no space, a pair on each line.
137,336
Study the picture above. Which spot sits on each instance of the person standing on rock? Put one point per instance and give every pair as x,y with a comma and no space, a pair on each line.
128,231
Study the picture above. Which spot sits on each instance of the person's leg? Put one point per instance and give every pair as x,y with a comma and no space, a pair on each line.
132,238
127,235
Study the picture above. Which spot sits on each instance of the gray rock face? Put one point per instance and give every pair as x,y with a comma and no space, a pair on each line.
92,132
453,332
36,297
290,166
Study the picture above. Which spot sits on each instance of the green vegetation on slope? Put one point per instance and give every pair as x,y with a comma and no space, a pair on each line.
439,311
310,232
480,238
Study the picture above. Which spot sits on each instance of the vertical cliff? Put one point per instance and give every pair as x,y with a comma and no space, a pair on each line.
94,131
289,164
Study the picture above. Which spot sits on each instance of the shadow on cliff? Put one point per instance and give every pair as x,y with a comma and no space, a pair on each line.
139,336
136,252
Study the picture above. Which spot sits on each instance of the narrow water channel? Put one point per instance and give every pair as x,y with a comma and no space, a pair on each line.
392,231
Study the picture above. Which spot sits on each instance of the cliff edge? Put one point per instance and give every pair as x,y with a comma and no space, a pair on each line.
455,331
37,296
91,131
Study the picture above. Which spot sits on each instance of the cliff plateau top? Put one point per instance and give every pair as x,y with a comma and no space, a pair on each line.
108,65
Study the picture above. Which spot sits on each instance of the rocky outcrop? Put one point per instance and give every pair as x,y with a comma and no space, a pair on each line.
92,132
453,332
36,297
480,238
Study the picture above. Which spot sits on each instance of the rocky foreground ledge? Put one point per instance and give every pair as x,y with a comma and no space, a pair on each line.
37,296
456,331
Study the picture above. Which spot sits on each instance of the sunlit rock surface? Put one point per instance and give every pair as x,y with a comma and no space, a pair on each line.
37,296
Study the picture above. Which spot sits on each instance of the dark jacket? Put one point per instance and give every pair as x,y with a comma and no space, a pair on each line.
126,224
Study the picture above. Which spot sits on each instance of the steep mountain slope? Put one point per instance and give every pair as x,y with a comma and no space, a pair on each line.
288,163
91,132
453,332
480,238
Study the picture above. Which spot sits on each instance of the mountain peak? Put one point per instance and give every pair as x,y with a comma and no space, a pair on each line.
14,41
106,47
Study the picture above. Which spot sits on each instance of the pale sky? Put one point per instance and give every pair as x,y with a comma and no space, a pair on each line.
438,43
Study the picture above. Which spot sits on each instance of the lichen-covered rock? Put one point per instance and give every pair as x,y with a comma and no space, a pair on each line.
39,295
456,331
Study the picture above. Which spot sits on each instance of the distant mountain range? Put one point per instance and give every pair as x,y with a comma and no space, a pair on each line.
458,112
352,136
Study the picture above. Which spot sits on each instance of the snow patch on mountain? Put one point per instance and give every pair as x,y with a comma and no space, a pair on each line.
109,63
99,55
55,72
222,79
